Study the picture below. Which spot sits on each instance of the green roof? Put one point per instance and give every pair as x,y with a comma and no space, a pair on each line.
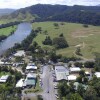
31,82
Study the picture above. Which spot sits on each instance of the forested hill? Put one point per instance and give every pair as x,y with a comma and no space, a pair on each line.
41,12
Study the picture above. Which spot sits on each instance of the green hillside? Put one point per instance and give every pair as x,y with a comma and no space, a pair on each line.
75,34
19,17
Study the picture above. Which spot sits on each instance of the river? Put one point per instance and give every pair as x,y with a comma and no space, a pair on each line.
23,30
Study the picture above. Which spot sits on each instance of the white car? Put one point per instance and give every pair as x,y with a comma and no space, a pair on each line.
55,87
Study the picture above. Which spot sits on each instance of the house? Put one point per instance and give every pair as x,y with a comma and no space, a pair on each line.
31,67
4,78
30,80
75,69
20,53
61,73
97,74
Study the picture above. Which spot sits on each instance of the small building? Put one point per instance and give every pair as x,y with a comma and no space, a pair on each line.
61,73
20,53
4,78
71,78
20,83
87,73
75,69
97,74
31,67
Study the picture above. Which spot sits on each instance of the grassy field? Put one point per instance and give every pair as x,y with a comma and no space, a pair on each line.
75,34
7,31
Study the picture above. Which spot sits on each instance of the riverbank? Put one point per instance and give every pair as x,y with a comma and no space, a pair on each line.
6,32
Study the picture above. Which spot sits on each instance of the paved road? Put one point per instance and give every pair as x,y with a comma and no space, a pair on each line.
47,81
47,84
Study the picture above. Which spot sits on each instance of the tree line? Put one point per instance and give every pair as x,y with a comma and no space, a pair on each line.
9,24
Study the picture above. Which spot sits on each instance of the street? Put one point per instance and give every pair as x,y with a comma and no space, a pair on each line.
48,88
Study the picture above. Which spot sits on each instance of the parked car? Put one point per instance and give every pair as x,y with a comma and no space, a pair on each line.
56,95
55,87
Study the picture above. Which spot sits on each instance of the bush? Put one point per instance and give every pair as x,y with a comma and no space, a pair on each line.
47,41
89,64
78,64
85,25
60,42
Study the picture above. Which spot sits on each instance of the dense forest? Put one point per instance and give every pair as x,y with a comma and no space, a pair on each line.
77,14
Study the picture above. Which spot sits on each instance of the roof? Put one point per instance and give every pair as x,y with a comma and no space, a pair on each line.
1,63
60,76
71,77
30,82
87,73
61,69
20,83
20,53
29,67
31,64
97,74
61,72
75,69
31,75
4,78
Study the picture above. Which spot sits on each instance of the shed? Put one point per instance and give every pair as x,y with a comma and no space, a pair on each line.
20,83
75,69
97,74
71,78
4,78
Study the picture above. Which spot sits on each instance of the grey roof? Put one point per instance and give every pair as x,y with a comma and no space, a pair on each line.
61,72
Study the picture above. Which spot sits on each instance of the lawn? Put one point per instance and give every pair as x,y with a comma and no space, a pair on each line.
75,34
4,73
7,31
